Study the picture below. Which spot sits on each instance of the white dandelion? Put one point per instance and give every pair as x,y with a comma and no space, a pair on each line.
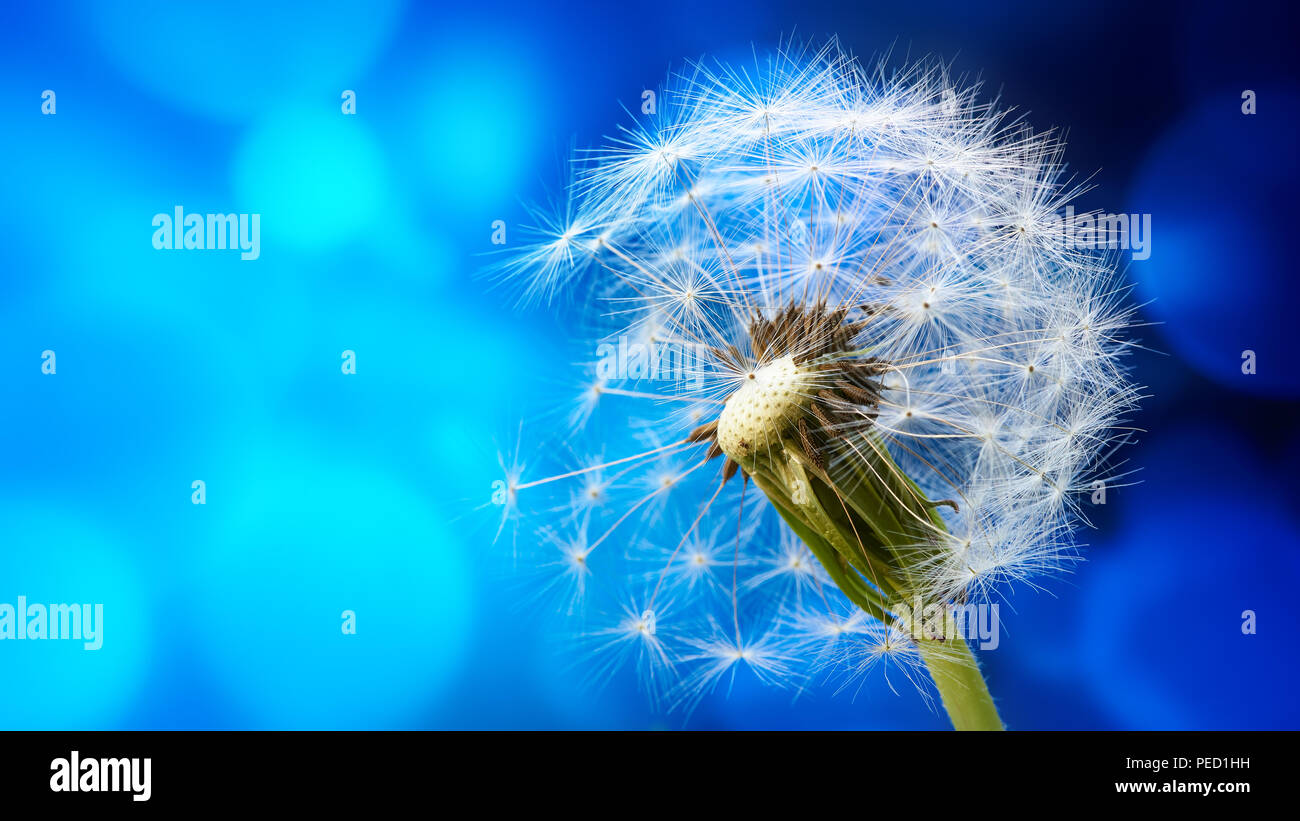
905,379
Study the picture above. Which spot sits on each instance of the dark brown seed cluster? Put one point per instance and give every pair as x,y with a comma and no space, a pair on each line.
847,396
805,332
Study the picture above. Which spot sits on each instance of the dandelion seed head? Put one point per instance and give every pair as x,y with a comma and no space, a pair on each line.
863,267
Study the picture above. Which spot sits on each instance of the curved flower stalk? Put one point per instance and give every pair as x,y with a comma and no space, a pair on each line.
872,382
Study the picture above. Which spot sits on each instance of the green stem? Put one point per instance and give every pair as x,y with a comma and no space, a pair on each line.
962,688
888,503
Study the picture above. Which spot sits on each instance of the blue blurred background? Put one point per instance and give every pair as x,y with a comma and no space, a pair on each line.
327,493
